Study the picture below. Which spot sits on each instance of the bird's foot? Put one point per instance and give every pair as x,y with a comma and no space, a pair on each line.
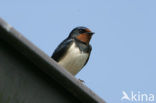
82,81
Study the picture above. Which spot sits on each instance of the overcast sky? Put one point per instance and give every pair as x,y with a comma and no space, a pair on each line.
123,57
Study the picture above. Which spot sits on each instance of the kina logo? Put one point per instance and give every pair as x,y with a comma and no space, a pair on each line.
137,96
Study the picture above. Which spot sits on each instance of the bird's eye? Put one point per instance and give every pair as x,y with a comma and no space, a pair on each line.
82,31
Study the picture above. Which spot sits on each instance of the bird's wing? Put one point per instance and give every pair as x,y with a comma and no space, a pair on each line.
61,50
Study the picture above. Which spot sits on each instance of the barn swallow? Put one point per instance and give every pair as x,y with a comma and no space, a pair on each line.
73,53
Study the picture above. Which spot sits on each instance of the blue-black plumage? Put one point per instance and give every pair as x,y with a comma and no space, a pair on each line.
73,53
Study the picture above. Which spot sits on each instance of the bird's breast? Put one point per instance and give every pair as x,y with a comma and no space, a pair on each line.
74,59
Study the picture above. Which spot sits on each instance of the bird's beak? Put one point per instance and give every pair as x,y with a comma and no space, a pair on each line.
90,33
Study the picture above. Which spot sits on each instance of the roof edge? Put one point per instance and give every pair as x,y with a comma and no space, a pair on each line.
47,65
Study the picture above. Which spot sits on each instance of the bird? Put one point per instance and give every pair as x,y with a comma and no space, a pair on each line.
73,53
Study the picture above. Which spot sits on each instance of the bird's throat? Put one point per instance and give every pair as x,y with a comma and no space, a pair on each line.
84,38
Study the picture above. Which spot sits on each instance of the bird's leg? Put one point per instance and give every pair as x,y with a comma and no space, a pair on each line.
82,81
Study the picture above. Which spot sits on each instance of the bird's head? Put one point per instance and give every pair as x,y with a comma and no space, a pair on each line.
82,34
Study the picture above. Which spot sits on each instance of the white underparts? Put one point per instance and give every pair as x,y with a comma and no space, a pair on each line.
74,60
